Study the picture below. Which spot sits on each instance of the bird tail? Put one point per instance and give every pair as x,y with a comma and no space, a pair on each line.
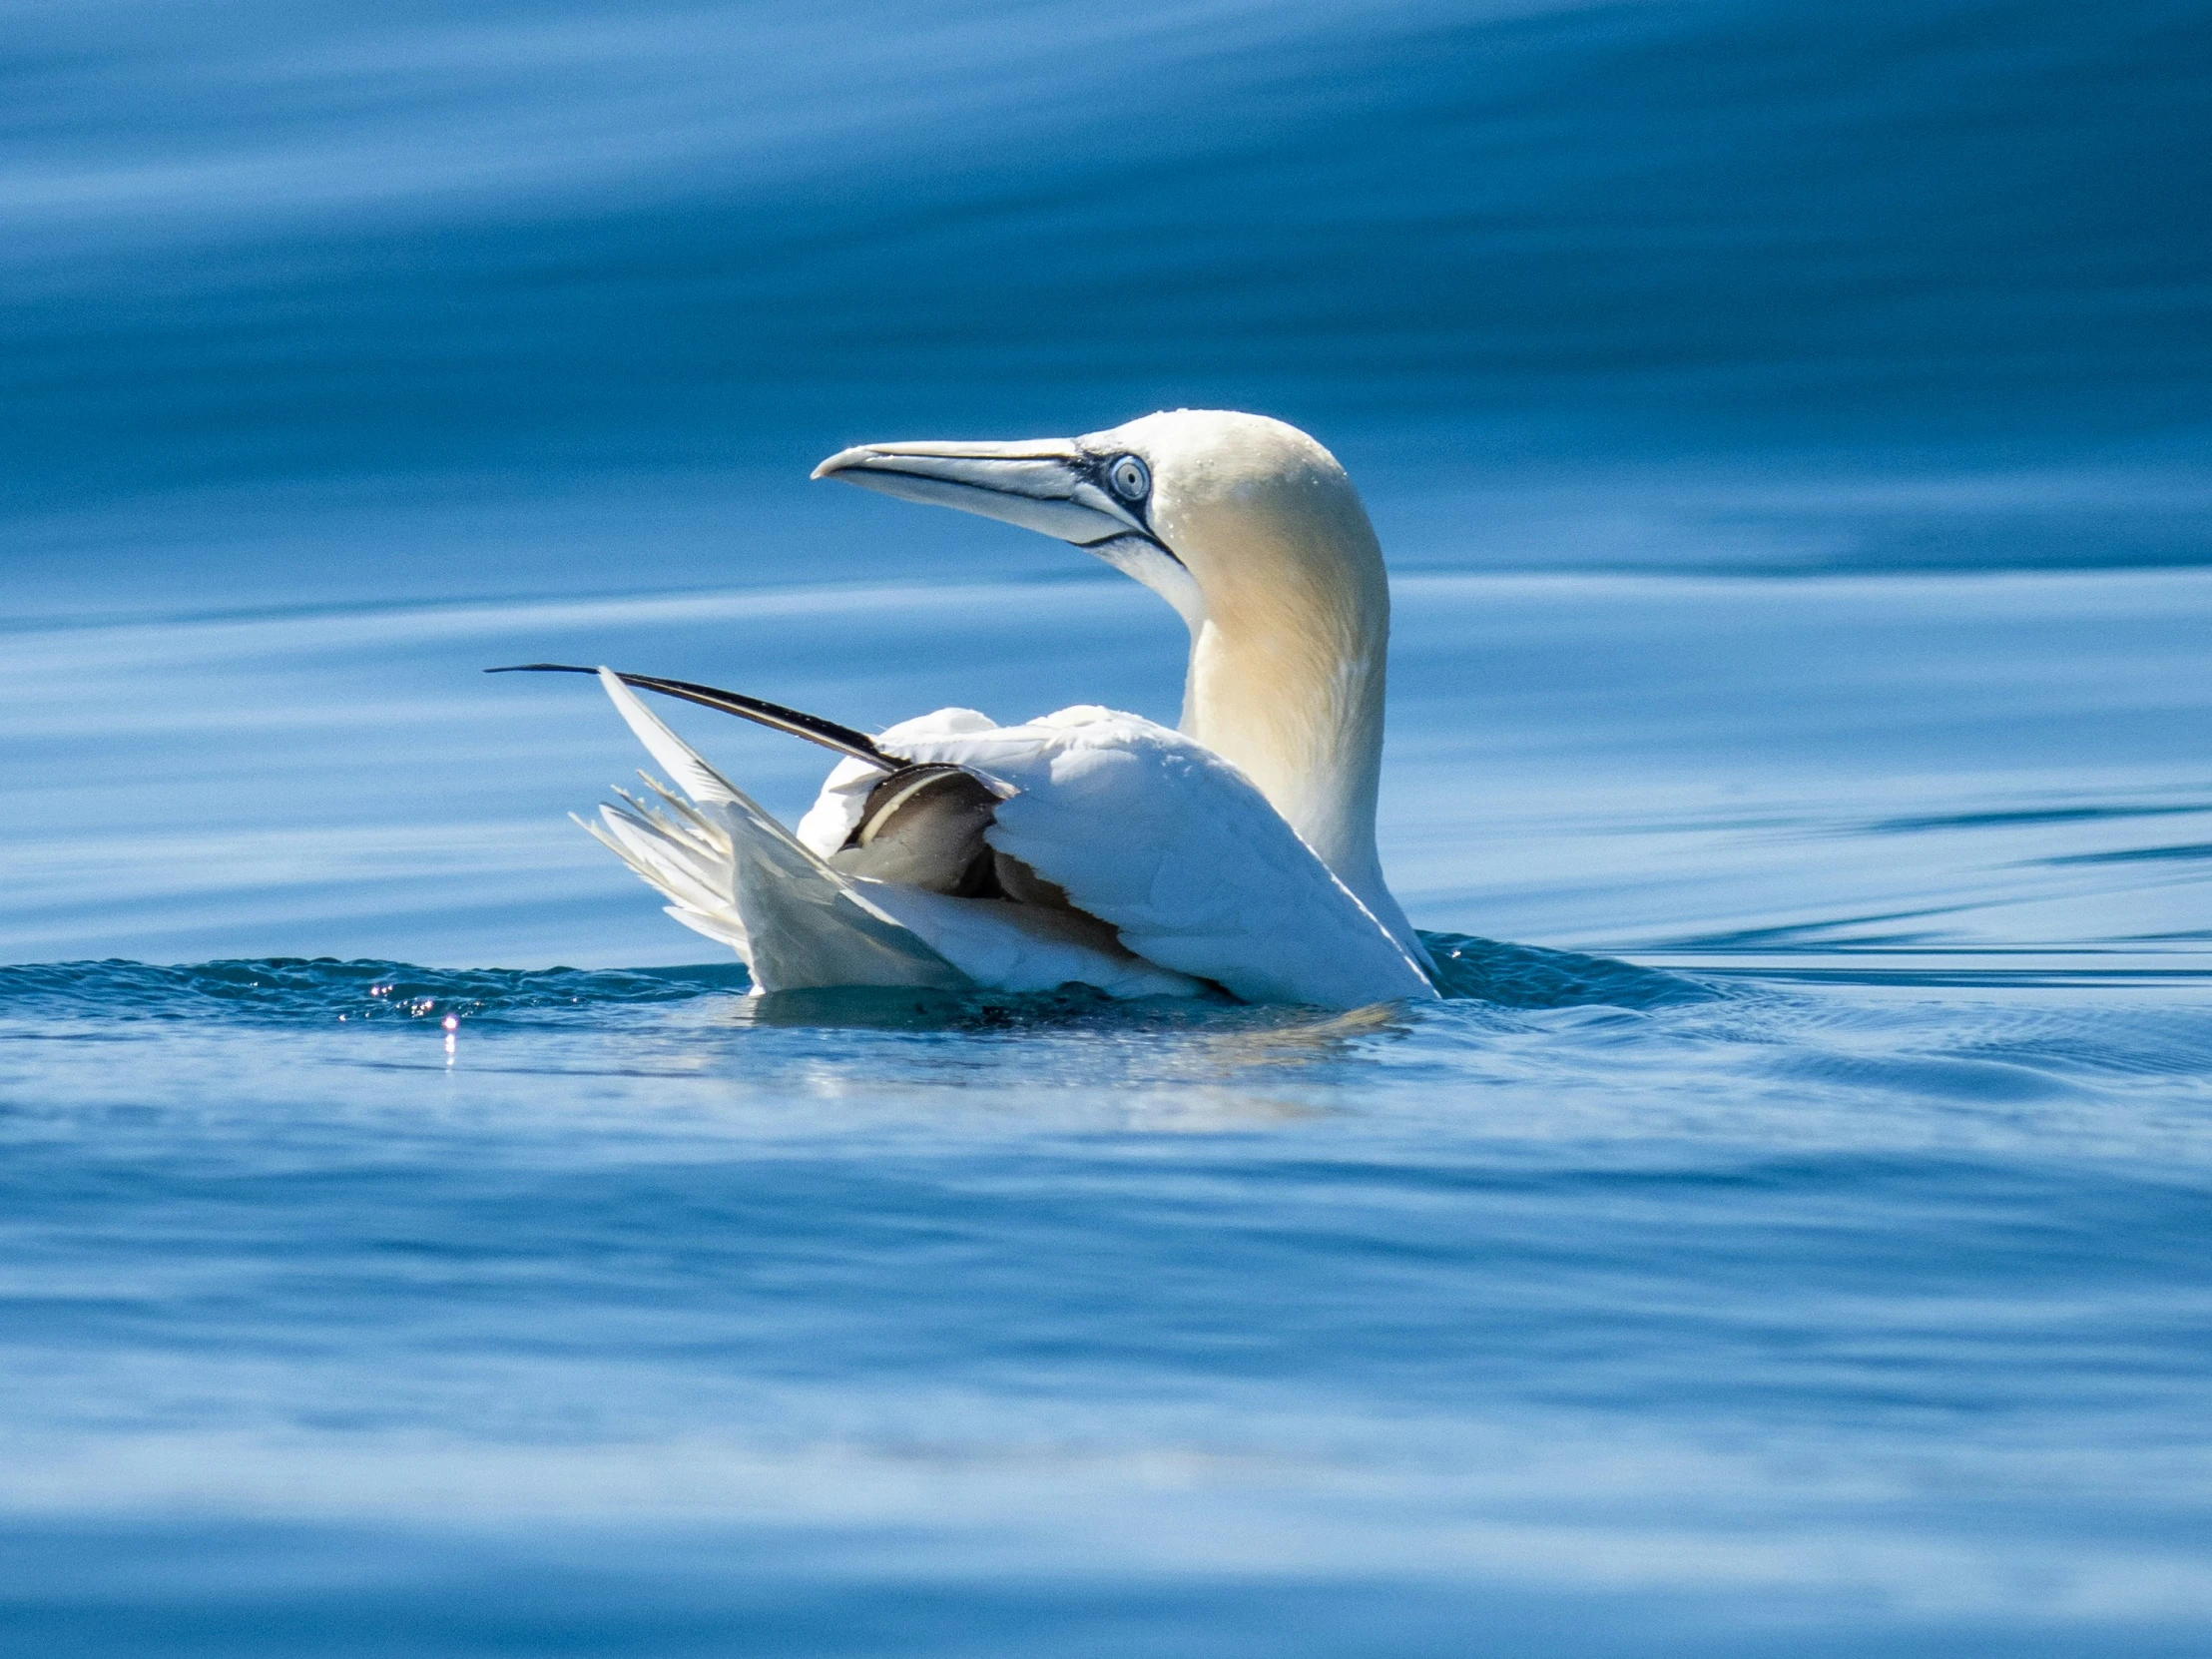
732,873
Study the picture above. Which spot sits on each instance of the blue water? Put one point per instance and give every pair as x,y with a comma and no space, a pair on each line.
1787,430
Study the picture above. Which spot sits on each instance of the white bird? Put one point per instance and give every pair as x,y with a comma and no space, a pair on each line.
1086,847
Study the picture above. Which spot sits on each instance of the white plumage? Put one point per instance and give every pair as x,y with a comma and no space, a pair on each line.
1089,847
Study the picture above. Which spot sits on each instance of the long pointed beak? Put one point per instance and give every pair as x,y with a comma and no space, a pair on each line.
1050,486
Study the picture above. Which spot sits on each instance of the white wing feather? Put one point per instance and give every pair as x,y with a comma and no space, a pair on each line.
1021,948
1152,831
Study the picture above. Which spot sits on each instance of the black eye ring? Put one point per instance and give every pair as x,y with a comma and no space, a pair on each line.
1130,479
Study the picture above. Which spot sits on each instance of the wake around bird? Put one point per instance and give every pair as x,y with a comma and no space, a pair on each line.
1087,847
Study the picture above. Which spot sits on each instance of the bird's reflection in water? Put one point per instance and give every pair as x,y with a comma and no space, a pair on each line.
1210,1108
1265,1034
1169,1064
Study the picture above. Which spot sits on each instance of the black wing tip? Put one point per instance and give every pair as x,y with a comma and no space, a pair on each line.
827,733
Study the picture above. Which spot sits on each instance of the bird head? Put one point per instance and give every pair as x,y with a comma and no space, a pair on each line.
1239,523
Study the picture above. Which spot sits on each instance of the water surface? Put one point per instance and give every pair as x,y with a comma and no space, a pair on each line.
1833,1278
1784,429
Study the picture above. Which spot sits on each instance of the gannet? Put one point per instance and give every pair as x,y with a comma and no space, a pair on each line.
1088,846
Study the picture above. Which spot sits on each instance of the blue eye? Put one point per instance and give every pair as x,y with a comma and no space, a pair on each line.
1130,478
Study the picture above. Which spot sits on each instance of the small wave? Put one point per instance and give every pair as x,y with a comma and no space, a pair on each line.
324,988
1468,971
2192,850
1528,976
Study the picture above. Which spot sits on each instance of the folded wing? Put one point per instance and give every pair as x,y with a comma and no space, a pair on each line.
1157,836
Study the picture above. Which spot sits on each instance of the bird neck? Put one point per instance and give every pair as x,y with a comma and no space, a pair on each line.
1291,691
